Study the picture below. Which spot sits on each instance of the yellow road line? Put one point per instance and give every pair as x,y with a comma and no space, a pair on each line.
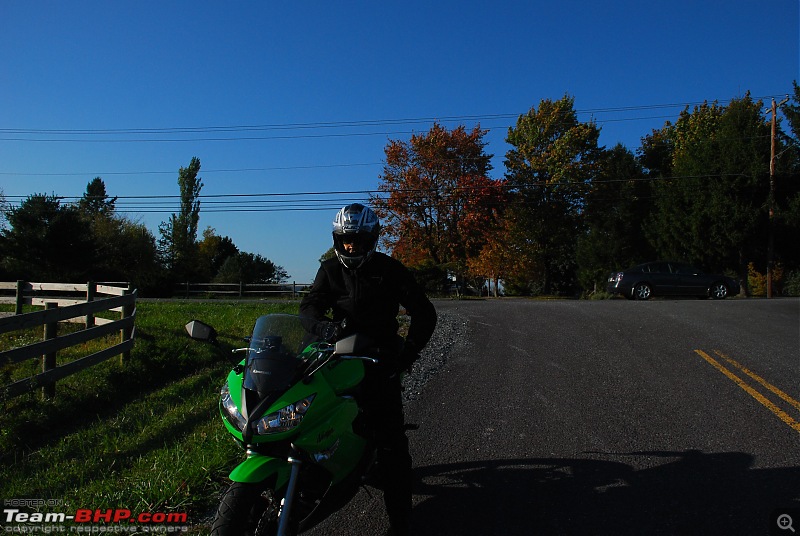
760,380
782,415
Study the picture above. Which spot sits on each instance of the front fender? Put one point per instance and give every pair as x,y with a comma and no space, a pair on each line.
257,468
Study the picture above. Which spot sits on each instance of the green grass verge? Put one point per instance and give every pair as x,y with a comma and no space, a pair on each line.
144,435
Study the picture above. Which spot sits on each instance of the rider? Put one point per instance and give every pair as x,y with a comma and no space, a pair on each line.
367,288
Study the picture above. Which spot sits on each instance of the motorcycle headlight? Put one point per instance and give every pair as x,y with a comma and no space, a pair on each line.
284,419
229,409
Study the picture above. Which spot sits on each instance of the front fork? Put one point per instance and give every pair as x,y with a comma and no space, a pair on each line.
288,500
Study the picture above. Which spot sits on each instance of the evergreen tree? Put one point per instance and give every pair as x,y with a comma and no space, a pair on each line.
616,207
711,209
96,201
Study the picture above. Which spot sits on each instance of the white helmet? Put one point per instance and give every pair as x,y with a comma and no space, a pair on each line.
355,223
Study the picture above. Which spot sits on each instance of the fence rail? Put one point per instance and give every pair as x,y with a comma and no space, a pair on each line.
241,290
69,309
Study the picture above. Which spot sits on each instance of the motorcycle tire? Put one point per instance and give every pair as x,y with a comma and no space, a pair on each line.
247,510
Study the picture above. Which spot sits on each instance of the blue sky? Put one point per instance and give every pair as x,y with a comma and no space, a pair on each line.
279,97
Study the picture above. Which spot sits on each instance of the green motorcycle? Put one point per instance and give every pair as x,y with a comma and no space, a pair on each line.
292,405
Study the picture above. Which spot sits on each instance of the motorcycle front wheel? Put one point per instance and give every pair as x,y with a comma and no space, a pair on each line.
247,510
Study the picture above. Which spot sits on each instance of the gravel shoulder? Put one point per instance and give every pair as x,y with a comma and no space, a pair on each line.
451,328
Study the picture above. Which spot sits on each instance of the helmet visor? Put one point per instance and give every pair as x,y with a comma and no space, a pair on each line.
358,240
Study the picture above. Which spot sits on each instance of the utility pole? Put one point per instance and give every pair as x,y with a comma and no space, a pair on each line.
771,242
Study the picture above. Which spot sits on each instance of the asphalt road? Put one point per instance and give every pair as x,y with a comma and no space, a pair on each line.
608,417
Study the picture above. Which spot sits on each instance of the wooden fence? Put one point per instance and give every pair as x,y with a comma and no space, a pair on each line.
241,290
62,304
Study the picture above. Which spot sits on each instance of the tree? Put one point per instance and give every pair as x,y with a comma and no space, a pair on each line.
178,243
787,187
435,195
213,251
96,201
617,205
47,241
791,110
329,254
711,210
250,268
50,241
126,251
548,171
495,260
4,208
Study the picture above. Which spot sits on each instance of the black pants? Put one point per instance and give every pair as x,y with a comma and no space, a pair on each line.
381,399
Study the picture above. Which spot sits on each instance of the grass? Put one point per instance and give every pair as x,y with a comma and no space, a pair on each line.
144,435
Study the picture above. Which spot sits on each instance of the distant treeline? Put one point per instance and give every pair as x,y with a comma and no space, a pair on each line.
719,188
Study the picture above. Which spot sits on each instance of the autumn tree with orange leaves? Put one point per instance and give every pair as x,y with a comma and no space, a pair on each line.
436,200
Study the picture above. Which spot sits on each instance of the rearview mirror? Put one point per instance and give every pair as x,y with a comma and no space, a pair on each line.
200,331
352,345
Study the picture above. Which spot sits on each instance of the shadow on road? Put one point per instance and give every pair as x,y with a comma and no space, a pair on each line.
691,494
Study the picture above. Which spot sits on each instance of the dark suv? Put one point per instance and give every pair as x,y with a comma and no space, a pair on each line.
670,279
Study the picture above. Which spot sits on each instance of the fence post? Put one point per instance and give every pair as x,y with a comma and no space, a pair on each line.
294,289
20,297
125,333
91,289
241,288
187,289
49,360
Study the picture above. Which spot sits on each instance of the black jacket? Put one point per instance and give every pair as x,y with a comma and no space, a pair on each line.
370,298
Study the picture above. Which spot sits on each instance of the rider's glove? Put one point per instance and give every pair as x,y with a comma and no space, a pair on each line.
329,331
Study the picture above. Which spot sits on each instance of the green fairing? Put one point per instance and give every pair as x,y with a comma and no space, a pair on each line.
309,424
327,426
345,448
257,468
235,385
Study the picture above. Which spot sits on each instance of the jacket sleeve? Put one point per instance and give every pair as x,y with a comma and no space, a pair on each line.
316,304
421,311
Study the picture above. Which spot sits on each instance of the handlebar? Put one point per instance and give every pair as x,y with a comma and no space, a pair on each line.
361,357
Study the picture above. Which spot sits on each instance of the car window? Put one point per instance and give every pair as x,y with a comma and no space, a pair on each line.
659,268
685,269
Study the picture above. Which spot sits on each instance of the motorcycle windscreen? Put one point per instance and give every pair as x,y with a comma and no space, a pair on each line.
270,367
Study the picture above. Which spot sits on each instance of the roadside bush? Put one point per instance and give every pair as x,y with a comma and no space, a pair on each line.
792,285
757,282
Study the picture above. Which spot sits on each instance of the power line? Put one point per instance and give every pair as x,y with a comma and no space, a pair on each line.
204,172
69,133
149,203
257,169
321,200
301,125
344,124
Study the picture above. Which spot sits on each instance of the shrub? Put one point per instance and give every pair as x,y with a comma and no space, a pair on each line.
792,285
757,282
